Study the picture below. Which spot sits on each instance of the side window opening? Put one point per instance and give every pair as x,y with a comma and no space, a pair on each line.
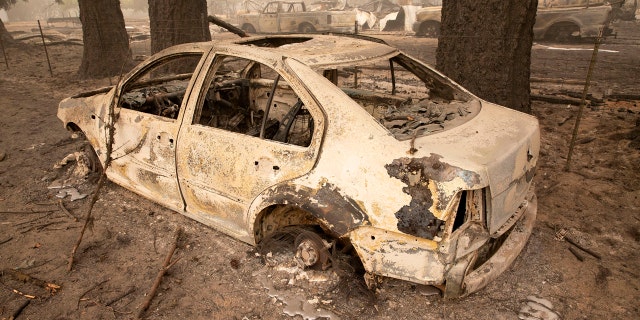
160,90
247,97
271,8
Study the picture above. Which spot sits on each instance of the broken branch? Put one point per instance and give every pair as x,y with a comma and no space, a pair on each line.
23,277
87,219
6,240
576,253
587,250
103,177
34,220
165,266
557,99
19,311
66,211
26,212
219,22
90,289
116,299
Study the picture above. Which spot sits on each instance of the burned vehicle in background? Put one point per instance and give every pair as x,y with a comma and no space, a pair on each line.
346,137
560,24
294,17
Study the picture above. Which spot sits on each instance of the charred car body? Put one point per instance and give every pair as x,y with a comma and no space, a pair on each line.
429,183
293,17
553,23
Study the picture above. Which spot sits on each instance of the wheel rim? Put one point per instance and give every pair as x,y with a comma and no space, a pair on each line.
307,28
311,250
430,30
564,33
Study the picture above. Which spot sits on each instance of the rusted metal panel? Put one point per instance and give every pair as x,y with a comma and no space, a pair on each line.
398,255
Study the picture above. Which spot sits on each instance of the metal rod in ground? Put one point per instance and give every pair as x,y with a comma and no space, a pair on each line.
4,53
587,82
45,48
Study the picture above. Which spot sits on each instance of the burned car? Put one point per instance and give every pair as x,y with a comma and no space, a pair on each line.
560,24
348,137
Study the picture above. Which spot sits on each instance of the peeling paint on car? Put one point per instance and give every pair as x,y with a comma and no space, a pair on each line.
427,210
337,212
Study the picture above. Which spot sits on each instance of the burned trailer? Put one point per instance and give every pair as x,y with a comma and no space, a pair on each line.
346,137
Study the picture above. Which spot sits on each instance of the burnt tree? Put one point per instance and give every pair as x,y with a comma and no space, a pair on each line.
487,48
106,43
5,36
174,22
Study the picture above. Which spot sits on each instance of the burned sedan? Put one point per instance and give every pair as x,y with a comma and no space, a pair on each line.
346,137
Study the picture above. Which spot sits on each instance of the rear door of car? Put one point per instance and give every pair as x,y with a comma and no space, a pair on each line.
225,160
270,18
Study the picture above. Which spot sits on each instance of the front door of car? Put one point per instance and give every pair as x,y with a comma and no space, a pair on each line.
151,105
250,130
270,19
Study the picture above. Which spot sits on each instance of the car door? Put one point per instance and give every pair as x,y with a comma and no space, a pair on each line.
151,105
269,19
250,130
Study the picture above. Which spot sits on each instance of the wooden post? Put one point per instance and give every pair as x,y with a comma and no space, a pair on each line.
45,48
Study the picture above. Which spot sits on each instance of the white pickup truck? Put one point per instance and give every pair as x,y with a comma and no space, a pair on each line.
283,17
561,24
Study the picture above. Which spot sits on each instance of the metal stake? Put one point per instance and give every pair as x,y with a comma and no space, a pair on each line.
587,82
45,48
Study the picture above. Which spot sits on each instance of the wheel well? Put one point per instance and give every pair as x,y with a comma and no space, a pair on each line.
248,27
561,25
305,24
429,23
73,127
278,216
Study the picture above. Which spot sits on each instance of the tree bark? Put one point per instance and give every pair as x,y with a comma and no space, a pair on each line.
5,36
174,22
487,48
106,43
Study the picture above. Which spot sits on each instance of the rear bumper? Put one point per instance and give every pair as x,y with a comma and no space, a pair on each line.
507,253
401,256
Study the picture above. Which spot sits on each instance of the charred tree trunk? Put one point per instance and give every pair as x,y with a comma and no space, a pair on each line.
487,48
174,22
5,36
106,43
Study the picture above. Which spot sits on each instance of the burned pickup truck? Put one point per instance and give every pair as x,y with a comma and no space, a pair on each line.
293,17
561,24
361,146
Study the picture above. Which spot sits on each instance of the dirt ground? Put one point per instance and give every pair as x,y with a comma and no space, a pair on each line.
216,277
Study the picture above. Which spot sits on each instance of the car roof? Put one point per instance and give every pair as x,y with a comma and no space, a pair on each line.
316,50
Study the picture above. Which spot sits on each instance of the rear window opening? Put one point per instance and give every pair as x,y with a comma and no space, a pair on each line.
407,98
